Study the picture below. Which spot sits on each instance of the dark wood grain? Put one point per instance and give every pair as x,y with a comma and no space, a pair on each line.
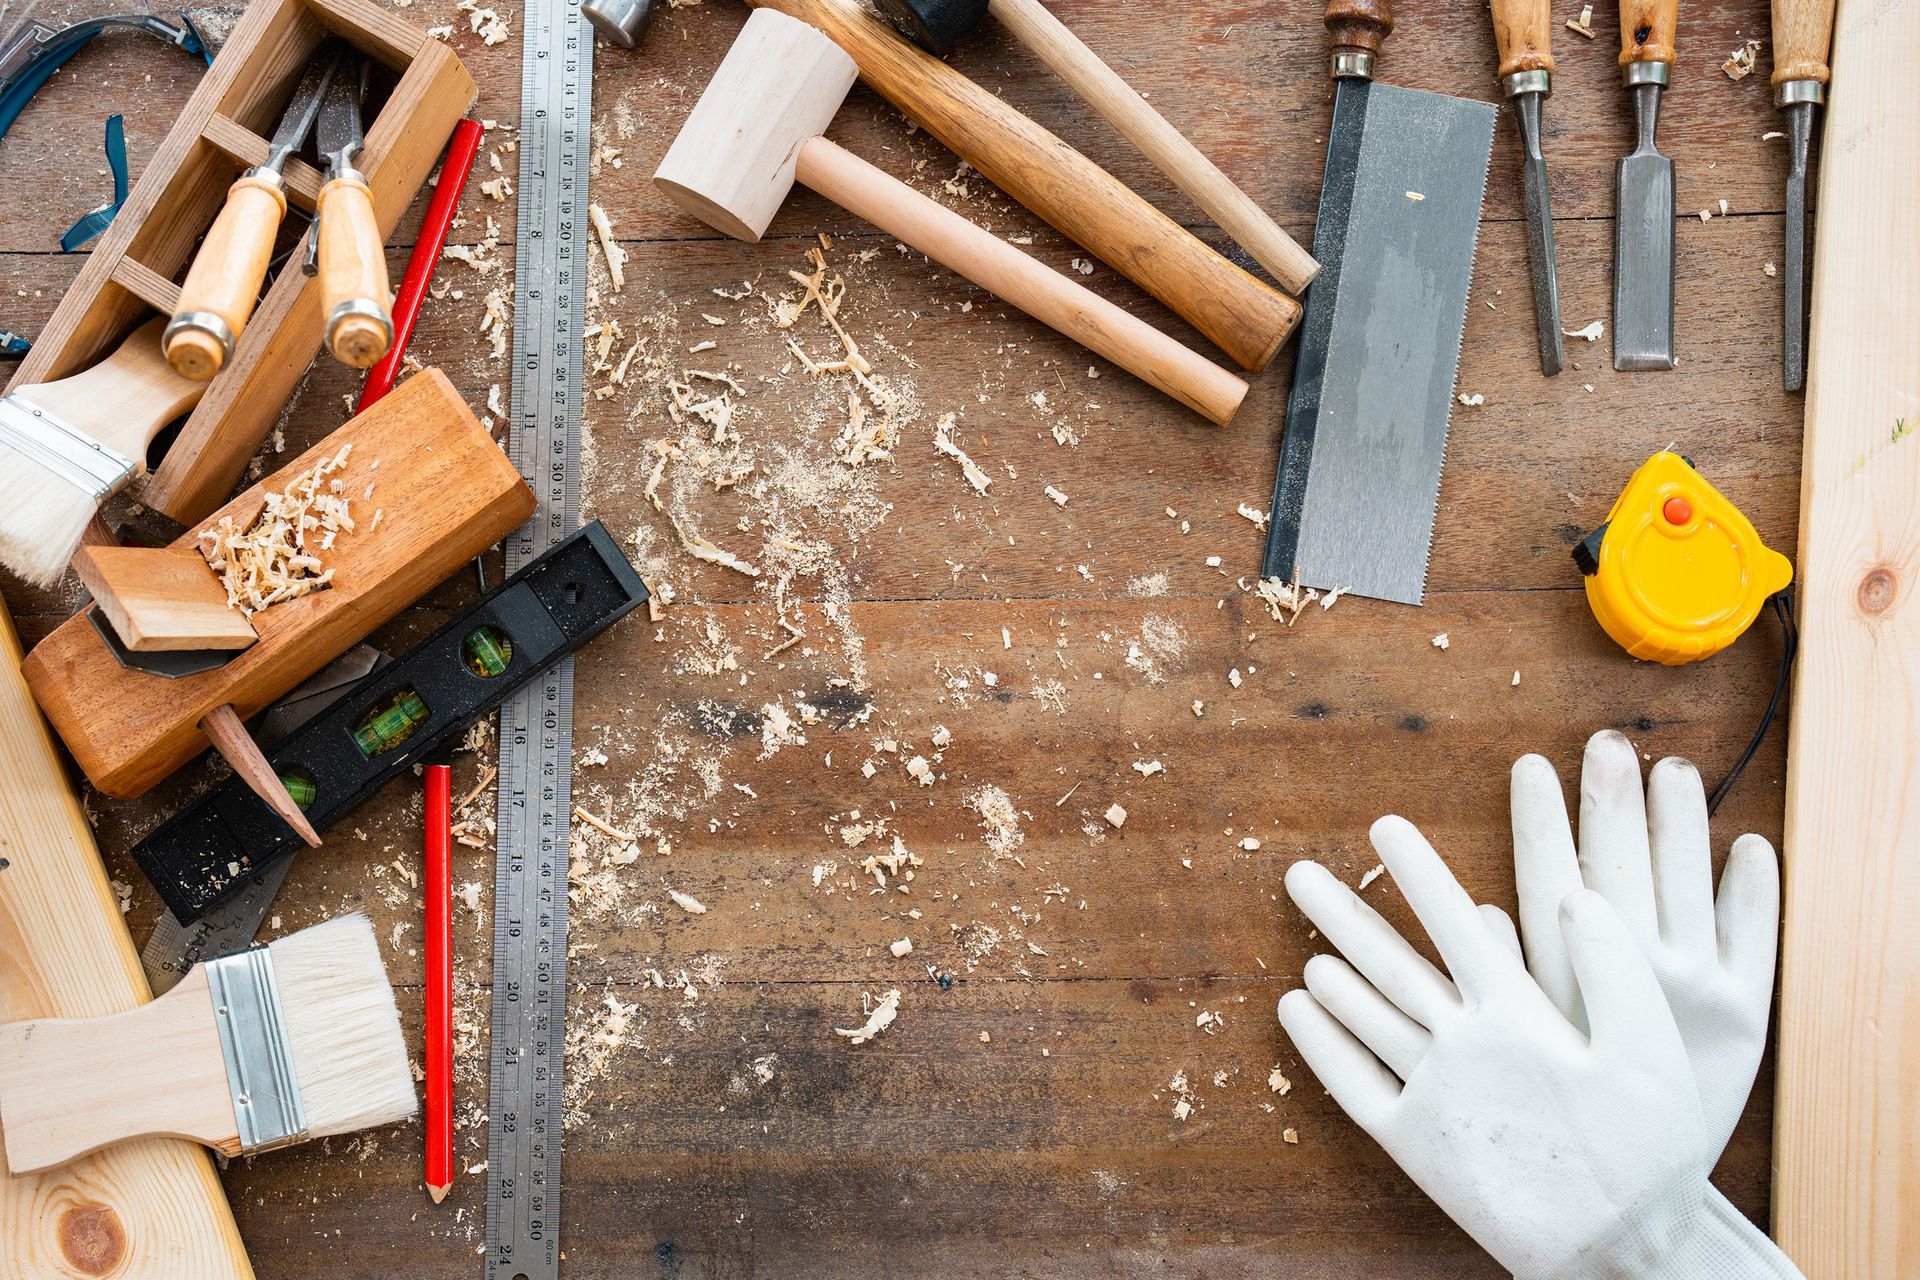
1050,1149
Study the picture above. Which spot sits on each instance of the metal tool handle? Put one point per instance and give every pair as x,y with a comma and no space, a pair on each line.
223,284
1103,89
1647,29
1026,282
1359,28
1524,31
1802,37
353,273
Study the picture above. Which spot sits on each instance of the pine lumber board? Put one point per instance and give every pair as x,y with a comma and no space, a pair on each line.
1847,1128
155,1208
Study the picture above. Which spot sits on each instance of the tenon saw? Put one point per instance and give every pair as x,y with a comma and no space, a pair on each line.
1366,429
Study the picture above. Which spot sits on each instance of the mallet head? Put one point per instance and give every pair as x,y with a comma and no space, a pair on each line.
777,89
934,25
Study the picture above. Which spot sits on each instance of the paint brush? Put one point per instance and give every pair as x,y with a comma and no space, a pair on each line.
67,446
251,1052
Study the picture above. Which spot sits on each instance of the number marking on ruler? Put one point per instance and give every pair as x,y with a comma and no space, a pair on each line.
525,1086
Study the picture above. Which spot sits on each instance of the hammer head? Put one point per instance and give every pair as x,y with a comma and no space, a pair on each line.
776,90
934,25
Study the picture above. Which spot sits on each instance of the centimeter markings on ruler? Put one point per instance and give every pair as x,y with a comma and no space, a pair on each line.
525,1095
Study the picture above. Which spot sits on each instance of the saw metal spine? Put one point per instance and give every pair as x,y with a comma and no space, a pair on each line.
525,1096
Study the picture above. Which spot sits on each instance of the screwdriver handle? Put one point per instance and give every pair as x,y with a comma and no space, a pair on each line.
1802,37
1359,26
1646,30
1524,31
353,273
223,284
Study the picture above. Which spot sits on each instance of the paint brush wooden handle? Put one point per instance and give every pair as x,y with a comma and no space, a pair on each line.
1524,31
353,274
1035,288
66,1088
1647,30
222,286
1106,92
1243,316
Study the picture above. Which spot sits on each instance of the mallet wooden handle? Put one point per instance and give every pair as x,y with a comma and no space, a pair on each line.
224,281
1004,271
1524,31
1245,317
1647,29
1802,40
353,273
1103,89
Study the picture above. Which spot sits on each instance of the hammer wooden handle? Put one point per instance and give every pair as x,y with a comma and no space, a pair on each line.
1647,29
1802,40
1524,31
1035,288
1245,317
224,281
353,274
1103,89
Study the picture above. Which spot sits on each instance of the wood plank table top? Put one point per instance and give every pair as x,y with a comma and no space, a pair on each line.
1018,1119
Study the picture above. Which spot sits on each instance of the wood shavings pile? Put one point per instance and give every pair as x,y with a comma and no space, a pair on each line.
276,557
1285,601
1739,63
486,23
998,819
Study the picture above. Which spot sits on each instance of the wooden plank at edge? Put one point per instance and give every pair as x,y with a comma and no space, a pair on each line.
1847,1123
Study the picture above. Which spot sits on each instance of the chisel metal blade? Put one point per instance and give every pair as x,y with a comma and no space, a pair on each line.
1366,432
1643,246
1540,262
1794,315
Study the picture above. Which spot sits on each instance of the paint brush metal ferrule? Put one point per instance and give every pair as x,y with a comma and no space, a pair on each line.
257,1049
65,451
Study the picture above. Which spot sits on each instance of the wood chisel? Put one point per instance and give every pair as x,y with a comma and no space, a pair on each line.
527,1040
1524,32
218,295
352,253
1643,210
1802,35
1366,429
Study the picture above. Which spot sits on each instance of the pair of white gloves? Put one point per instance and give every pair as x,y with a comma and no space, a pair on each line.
1565,1103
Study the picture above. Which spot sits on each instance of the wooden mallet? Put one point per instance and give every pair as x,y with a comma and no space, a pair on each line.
756,130
936,25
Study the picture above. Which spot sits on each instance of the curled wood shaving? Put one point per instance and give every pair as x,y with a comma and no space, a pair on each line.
826,295
943,442
609,247
878,1019
273,559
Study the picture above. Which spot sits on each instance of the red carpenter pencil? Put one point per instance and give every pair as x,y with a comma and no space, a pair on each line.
426,255
439,1000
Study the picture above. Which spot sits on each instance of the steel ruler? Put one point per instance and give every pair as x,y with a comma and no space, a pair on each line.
524,1082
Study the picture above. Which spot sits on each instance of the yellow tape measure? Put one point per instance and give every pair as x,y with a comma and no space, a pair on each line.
1677,573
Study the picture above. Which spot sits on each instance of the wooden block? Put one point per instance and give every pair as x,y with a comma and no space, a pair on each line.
1847,1121
151,1209
162,598
441,492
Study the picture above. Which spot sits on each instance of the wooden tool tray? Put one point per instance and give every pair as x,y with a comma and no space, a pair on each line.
139,262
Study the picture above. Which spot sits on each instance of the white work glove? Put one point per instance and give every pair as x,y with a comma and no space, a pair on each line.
1652,861
1567,1156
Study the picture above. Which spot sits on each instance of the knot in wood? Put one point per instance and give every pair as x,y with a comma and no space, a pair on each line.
92,1238
1878,590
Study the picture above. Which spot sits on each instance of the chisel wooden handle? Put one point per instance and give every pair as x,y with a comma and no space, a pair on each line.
224,282
1035,27
1524,31
1035,288
1802,39
1359,26
353,273
1245,317
1646,30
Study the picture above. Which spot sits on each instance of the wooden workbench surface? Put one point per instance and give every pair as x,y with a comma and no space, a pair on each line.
1019,1117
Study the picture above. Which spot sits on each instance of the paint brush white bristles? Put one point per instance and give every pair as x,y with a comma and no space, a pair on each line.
66,446
273,1046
